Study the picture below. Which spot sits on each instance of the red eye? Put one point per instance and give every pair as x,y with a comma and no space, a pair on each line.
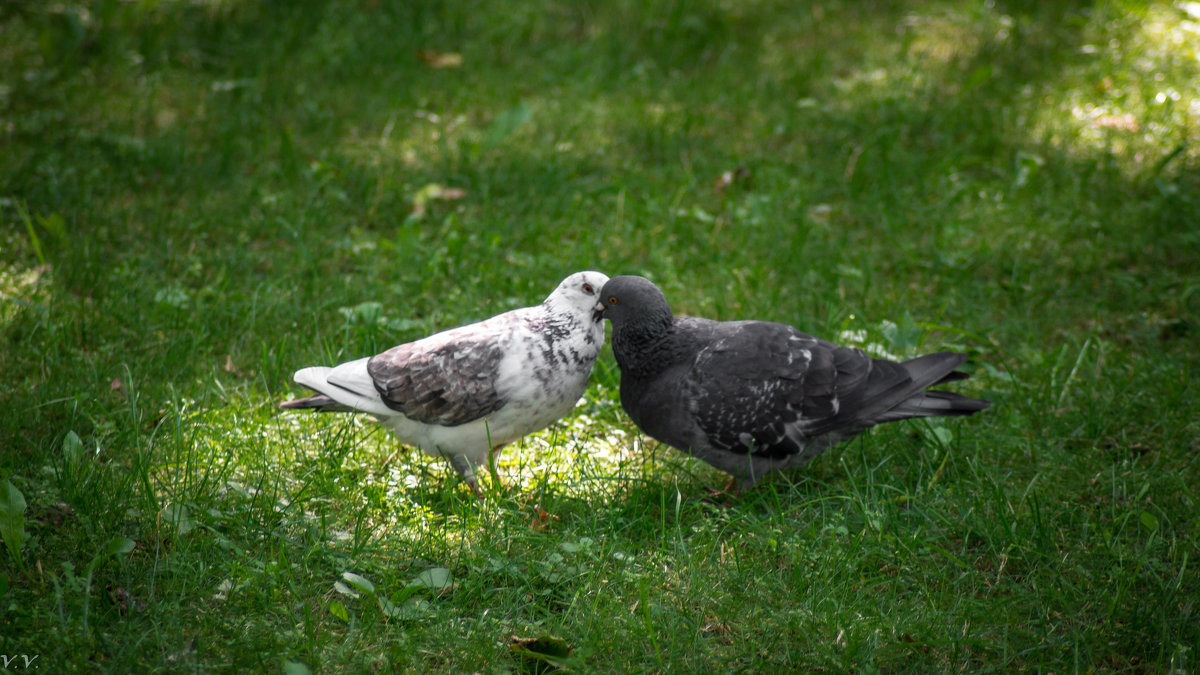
587,288
612,299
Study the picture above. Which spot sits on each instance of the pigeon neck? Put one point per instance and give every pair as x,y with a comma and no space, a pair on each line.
558,309
553,305
644,347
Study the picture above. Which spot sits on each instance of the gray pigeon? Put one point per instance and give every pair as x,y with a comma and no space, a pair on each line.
750,397
458,393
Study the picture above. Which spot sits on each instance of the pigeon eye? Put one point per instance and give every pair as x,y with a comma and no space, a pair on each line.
612,299
587,288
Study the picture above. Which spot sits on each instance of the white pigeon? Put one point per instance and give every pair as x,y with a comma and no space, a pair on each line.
751,397
462,392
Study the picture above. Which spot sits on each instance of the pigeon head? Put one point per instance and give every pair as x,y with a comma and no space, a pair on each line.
578,293
634,302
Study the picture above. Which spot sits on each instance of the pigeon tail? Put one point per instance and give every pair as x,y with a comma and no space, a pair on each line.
935,403
339,389
891,384
318,402
937,368
927,371
348,385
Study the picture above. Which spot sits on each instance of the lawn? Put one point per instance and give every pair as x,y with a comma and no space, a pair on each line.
198,197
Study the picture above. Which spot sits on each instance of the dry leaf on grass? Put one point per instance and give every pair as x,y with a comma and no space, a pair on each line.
540,654
432,192
437,59
729,178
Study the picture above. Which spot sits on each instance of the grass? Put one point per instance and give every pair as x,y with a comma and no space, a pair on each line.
198,198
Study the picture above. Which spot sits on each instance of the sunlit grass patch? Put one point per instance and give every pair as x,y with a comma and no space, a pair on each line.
18,285
1131,91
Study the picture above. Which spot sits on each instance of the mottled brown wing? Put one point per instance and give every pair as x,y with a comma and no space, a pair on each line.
444,382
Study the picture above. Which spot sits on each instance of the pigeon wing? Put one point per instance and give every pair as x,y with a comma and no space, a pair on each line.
745,388
765,389
447,381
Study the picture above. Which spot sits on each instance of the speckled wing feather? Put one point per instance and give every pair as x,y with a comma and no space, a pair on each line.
447,382
765,388
741,388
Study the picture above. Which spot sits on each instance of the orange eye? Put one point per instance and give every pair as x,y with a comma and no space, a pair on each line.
587,288
612,299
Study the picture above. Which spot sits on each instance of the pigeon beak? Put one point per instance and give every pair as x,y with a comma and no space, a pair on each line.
598,312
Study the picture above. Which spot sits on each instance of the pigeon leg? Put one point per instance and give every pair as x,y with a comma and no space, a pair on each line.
475,489
491,463
732,487
463,466
722,497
